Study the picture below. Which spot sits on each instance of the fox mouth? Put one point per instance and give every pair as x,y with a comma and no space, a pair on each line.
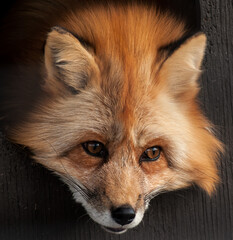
114,230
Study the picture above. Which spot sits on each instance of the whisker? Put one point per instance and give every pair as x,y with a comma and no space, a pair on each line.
75,186
69,179
82,216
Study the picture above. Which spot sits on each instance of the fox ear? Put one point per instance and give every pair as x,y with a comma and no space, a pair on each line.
182,69
67,61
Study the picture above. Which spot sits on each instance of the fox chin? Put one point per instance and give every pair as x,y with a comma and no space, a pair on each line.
117,118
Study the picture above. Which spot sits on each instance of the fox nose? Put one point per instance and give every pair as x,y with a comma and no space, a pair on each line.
123,215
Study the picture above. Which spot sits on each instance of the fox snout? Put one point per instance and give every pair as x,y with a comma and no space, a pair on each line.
113,219
114,194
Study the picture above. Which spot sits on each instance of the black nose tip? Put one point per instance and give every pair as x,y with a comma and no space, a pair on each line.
123,215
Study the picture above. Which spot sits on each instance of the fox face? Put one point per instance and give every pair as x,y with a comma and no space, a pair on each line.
119,121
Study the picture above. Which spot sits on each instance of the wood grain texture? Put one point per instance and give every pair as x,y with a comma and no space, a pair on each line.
35,205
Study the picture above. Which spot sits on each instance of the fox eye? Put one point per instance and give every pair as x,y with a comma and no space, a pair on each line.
94,148
151,154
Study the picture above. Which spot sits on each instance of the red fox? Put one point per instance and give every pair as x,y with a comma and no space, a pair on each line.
117,118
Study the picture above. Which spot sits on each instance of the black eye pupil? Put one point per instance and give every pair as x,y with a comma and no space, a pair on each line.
95,146
154,150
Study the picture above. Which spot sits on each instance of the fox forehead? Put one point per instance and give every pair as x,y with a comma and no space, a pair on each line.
124,29
90,116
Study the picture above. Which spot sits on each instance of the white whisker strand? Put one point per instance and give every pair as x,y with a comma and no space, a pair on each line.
69,179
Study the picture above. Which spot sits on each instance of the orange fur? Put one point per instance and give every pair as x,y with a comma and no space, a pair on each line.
127,94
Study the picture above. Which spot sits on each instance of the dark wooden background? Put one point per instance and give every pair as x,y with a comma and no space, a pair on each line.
35,205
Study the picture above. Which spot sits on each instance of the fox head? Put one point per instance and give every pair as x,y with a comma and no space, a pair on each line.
119,121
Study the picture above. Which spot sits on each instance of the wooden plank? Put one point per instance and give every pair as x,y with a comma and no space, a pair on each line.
217,23
36,205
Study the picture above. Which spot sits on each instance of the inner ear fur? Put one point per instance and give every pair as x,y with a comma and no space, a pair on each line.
67,61
181,70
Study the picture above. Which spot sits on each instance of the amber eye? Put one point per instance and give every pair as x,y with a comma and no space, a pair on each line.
94,148
151,154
